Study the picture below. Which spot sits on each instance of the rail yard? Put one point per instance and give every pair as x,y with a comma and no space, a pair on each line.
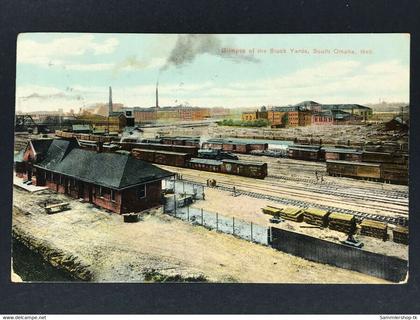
242,176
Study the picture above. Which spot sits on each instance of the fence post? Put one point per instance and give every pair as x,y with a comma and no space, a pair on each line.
174,204
251,231
202,217
183,187
188,213
233,225
217,221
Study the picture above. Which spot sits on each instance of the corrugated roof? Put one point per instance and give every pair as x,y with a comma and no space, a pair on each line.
113,170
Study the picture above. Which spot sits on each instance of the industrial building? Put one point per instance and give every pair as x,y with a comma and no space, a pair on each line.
310,113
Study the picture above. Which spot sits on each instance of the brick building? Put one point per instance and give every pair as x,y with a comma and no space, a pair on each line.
114,181
145,115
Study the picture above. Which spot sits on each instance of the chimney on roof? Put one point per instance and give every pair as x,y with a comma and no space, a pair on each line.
157,95
110,102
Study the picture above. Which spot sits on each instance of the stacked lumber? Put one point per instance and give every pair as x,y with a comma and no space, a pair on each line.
400,235
290,213
374,229
271,210
342,222
315,216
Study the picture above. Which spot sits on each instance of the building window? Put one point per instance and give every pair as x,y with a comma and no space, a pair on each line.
141,191
112,195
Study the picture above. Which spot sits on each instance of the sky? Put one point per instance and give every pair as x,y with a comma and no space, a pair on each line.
74,70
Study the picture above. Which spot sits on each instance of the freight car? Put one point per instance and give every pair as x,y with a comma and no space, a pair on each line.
181,141
163,147
245,168
205,164
343,154
236,146
235,167
168,158
215,154
396,173
384,157
352,169
306,152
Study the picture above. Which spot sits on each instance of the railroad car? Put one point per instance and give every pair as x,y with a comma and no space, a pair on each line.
216,154
205,164
245,168
235,167
181,141
343,154
396,173
163,147
384,157
354,169
305,152
240,146
169,158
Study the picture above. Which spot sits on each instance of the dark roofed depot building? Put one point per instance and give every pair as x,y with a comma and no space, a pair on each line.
117,182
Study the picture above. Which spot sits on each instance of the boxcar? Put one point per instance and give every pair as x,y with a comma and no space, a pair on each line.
384,157
245,168
205,164
163,147
169,158
258,146
342,154
301,152
397,173
354,169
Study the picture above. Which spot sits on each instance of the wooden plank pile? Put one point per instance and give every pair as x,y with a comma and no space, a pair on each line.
315,216
374,229
273,211
400,235
342,222
293,214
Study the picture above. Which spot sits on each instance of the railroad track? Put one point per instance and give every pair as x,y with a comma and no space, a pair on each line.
354,192
291,191
305,204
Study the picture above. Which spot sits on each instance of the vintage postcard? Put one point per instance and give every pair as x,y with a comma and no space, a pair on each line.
246,158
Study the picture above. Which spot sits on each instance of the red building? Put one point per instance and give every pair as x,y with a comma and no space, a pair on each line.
113,181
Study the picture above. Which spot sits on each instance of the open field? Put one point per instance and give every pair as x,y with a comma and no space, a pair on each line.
115,251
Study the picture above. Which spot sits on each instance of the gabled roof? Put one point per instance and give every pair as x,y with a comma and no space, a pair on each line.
56,152
112,170
40,146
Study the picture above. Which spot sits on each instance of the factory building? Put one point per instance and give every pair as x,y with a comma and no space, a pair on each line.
309,113
117,182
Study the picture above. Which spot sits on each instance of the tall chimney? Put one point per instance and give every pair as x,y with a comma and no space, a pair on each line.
110,102
157,95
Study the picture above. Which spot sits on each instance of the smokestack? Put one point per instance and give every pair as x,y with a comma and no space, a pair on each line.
157,95
110,102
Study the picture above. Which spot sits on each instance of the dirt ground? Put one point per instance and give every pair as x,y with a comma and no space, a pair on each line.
121,252
328,133
249,209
